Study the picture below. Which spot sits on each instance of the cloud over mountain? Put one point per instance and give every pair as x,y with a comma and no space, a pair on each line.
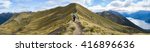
4,4
124,5
140,23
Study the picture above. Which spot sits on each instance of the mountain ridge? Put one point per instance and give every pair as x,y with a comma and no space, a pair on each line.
4,17
71,19
118,18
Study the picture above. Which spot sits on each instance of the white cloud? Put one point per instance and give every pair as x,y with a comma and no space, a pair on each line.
140,23
117,5
56,3
4,4
124,6
97,8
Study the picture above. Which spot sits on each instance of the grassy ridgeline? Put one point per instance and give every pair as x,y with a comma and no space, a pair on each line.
59,21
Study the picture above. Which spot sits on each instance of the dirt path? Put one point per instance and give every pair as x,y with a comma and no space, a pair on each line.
77,24
78,28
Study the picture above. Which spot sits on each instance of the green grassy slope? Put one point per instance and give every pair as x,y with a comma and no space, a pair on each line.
105,24
59,21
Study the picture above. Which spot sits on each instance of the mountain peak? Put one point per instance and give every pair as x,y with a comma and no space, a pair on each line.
73,7
74,4
71,19
118,18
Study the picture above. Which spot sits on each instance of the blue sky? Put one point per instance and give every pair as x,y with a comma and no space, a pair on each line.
94,5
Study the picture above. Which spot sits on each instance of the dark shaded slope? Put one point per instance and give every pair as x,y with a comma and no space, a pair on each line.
118,18
5,16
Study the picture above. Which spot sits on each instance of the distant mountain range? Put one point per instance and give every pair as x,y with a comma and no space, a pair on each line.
141,15
118,18
72,19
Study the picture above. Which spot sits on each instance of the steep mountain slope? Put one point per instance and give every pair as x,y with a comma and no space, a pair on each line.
118,18
16,22
71,19
4,17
